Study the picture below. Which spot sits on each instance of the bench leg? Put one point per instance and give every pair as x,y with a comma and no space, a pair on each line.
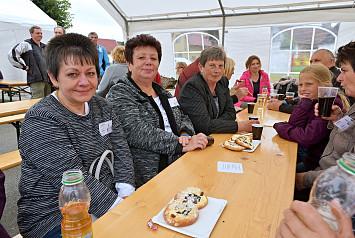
10,94
2,96
17,125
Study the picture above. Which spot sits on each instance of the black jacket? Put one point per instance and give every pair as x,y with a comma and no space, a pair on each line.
31,54
196,100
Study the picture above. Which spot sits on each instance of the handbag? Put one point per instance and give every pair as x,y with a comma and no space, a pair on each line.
101,160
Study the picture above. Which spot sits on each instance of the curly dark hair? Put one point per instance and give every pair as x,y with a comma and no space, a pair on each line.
346,53
141,40
78,47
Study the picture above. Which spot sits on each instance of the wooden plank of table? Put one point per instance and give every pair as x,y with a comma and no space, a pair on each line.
12,118
256,198
12,108
12,83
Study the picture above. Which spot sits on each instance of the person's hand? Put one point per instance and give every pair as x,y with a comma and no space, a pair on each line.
184,140
335,115
26,68
237,86
303,220
246,125
196,141
241,92
344,221
274,104
299,181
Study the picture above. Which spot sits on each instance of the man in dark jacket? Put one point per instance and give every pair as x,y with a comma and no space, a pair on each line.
29,55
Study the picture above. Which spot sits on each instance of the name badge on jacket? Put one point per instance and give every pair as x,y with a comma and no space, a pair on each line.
344,123
173,102
105,127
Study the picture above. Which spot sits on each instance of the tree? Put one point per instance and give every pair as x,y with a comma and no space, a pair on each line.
57,10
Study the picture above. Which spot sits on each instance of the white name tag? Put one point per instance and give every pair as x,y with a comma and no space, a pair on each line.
173,102
344,123
105,127
229,167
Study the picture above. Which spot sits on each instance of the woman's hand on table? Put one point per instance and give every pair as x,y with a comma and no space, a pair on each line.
303,220
335,115
184,139
299,181
274,104
246,125
196,141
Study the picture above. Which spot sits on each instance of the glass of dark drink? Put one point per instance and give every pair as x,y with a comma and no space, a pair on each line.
290,95
251,107
257,130
326,97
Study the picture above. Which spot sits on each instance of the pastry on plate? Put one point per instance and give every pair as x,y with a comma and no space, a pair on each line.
181,212
231,145
195,195
244,141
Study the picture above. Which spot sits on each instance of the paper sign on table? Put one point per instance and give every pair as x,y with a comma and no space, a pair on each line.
229,167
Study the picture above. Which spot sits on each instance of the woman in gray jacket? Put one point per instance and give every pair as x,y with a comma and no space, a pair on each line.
158,132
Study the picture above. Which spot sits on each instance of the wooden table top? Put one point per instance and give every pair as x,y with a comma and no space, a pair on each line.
256,198
12,108
12,83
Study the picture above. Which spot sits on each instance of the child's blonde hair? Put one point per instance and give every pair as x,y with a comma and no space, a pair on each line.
323,75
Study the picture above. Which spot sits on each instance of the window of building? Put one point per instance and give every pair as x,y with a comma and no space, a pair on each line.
292,47
188,46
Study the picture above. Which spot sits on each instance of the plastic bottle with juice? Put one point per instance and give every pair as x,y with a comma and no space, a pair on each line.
74,203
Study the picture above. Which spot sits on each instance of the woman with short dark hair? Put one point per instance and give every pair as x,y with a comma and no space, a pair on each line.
205,97
69,129
158,132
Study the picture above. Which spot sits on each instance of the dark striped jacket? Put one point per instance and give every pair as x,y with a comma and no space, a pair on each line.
196,100
141,122
53,140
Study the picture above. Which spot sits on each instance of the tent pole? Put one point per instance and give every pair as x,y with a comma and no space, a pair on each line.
224,20
123,17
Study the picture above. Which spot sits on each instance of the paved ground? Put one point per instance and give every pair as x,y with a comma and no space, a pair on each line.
8,143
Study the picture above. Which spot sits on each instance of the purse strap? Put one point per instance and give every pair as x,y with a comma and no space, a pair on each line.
100,162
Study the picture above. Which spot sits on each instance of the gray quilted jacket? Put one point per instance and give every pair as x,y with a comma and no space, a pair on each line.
142,123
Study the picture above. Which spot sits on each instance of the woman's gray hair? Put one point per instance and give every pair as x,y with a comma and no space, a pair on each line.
212,53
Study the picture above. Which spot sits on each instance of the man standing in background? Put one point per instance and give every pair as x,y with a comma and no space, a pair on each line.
58,31
104,61
29,55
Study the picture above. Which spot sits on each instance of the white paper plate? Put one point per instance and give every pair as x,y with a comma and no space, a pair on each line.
255,143
202,228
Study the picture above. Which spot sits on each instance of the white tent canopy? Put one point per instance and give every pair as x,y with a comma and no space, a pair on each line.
16,17
244,27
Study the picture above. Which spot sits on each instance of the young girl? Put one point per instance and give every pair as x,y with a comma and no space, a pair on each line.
304,127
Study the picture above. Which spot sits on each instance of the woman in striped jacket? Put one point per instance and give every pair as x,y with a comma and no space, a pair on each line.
69,129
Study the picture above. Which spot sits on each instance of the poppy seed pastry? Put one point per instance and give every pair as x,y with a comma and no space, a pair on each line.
181,212
195,195
231,145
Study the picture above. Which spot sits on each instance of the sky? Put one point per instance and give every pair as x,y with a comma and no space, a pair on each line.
90,16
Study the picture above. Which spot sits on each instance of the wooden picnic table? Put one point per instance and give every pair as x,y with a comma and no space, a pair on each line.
13,87
14,112
256,198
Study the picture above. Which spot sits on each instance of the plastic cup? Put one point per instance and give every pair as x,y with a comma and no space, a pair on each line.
290,95
251,107
326,97
257,130
253,117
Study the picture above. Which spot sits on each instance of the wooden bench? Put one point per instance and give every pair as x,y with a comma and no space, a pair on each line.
10,160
